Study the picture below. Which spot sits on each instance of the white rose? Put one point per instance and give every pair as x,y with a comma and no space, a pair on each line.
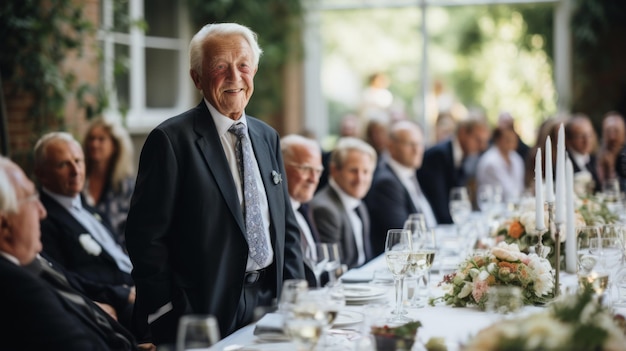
89,244
506,252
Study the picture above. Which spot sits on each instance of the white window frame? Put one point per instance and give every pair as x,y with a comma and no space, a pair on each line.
139,117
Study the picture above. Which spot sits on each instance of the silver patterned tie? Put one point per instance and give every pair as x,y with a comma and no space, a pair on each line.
255,235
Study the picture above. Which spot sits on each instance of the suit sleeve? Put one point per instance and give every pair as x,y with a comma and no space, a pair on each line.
327,223
433,178
148,225
386,203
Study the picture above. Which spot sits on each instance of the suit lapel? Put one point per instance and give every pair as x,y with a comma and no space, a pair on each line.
211,148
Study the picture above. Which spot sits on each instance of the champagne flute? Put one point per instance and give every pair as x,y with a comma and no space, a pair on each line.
397,252
196,332
422,258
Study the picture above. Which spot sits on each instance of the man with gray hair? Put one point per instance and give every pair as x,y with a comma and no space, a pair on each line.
303,165
338,212
40,309
74,234
210,227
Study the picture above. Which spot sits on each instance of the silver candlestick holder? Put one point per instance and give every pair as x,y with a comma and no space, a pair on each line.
540,249
557,257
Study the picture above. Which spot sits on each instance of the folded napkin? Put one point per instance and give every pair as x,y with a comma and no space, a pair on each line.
271,323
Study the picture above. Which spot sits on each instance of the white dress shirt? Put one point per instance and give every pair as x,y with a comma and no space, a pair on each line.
409,180
350,204
228,140
304,229
494,170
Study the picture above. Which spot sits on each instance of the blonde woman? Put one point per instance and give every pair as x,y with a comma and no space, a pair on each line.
109,171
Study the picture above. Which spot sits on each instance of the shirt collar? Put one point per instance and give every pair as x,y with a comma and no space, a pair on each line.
65,201
400,170
223,123
294,204
580,159
349,202
10,258
457,152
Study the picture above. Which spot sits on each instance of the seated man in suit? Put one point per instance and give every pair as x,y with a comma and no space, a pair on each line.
303,166
451,163
580,142
40,310
75,235
395,192
338,212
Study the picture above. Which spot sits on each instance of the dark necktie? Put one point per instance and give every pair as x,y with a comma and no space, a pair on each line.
304,211
255,233
367,245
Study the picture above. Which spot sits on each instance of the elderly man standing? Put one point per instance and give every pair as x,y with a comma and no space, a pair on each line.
74,234
395,192
303,164
210,228
40,310
451,163
338,212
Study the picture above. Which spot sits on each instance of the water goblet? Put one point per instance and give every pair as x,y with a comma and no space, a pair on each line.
397,253
460,205
317,258
196,332
291,289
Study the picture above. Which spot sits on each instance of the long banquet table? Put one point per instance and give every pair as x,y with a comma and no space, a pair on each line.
453,324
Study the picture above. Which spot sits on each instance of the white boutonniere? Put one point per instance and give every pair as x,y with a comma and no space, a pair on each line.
89,244
97,216
277,177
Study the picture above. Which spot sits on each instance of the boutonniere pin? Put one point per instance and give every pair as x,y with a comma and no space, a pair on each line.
97,216
89,244
277,177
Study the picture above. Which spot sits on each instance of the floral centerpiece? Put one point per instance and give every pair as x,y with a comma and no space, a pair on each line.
520,228
575,322
395,338
504,264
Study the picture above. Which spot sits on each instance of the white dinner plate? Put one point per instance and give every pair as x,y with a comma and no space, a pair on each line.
345,318
362,291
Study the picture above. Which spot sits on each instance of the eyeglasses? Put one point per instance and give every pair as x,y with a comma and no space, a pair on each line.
304,168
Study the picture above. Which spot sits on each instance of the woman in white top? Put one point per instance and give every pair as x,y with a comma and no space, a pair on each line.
501,166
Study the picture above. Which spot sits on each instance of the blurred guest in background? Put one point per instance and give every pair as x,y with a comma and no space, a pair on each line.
303,166
338,212
506,120
501,165
109,180
451,163
580,142
613,137
395,191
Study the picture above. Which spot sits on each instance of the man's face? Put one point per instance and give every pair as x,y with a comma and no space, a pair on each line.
355,175
581,138
63,170
22,234
303,168
227,74
407,147
613,133
474,141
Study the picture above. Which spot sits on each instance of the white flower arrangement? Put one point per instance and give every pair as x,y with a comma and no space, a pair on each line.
90,245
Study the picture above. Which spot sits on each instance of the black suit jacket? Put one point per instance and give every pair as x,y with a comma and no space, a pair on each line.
185,231
35,317
389,205
591,167
59,234
437,177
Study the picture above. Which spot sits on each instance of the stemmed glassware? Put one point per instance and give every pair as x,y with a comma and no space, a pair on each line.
318,260
196,332
421,259
331,250
460,205
591,269
398,246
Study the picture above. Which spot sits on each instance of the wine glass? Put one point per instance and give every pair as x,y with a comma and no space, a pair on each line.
460,205
421,258
416,222
397,252
306,320
331,251
196,332
291,289
588,249
317,257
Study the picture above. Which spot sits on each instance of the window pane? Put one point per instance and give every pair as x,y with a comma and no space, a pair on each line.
121,74
120,16
162,18
161,78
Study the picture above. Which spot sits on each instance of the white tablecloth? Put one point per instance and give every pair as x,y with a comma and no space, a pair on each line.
453,324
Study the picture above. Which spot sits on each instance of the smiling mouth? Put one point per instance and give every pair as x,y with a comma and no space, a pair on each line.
233,90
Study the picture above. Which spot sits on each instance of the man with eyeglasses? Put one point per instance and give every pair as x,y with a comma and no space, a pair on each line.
303,166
